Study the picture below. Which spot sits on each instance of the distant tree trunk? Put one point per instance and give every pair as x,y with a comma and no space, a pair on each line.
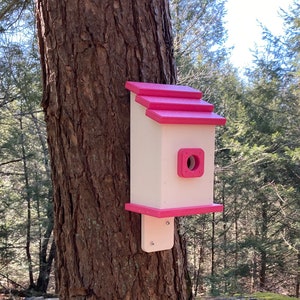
255,270
28,201
46,243
264,236
198,242
236,240
224,219
298,274
212,270
45,266
88,51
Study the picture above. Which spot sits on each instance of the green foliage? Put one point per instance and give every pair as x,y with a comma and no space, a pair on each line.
267,176
254,244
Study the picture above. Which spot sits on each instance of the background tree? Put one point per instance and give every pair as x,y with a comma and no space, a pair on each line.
202,61
248,247
259,171
26,202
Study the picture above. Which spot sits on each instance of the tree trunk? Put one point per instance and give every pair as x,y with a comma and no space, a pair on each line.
45,268
297,289
264,239
28,201
46,243
88,51
213,289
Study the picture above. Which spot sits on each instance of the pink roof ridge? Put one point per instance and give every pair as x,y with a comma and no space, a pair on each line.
166,90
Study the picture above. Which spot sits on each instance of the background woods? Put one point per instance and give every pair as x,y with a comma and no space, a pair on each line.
26,247
254,244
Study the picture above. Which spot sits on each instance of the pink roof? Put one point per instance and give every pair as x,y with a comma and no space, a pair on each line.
174,104
167,90
185,117
184,104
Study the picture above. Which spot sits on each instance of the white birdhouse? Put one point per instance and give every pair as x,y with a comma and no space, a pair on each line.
171,158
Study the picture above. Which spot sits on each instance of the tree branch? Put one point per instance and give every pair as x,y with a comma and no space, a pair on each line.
10,162
8,8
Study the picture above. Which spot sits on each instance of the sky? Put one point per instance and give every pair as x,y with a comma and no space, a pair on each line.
243,29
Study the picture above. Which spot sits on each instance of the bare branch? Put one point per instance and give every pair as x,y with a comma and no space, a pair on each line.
10,162
8,8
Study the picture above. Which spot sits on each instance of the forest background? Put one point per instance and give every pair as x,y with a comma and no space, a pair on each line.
254,244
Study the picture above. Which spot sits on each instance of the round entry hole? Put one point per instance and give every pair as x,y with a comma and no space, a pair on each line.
192,162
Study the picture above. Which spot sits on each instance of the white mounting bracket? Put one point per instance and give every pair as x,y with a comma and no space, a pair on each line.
157,233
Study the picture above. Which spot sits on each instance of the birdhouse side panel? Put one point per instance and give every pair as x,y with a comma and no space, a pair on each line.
145,158
176,190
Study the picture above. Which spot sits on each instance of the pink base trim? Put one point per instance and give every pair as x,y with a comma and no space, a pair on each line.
173,212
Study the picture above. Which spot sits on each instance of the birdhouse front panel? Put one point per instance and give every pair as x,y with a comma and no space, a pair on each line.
172,150
187,147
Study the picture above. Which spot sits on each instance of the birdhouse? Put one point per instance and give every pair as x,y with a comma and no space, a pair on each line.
172,140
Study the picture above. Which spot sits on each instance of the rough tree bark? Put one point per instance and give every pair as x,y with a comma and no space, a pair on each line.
88,51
